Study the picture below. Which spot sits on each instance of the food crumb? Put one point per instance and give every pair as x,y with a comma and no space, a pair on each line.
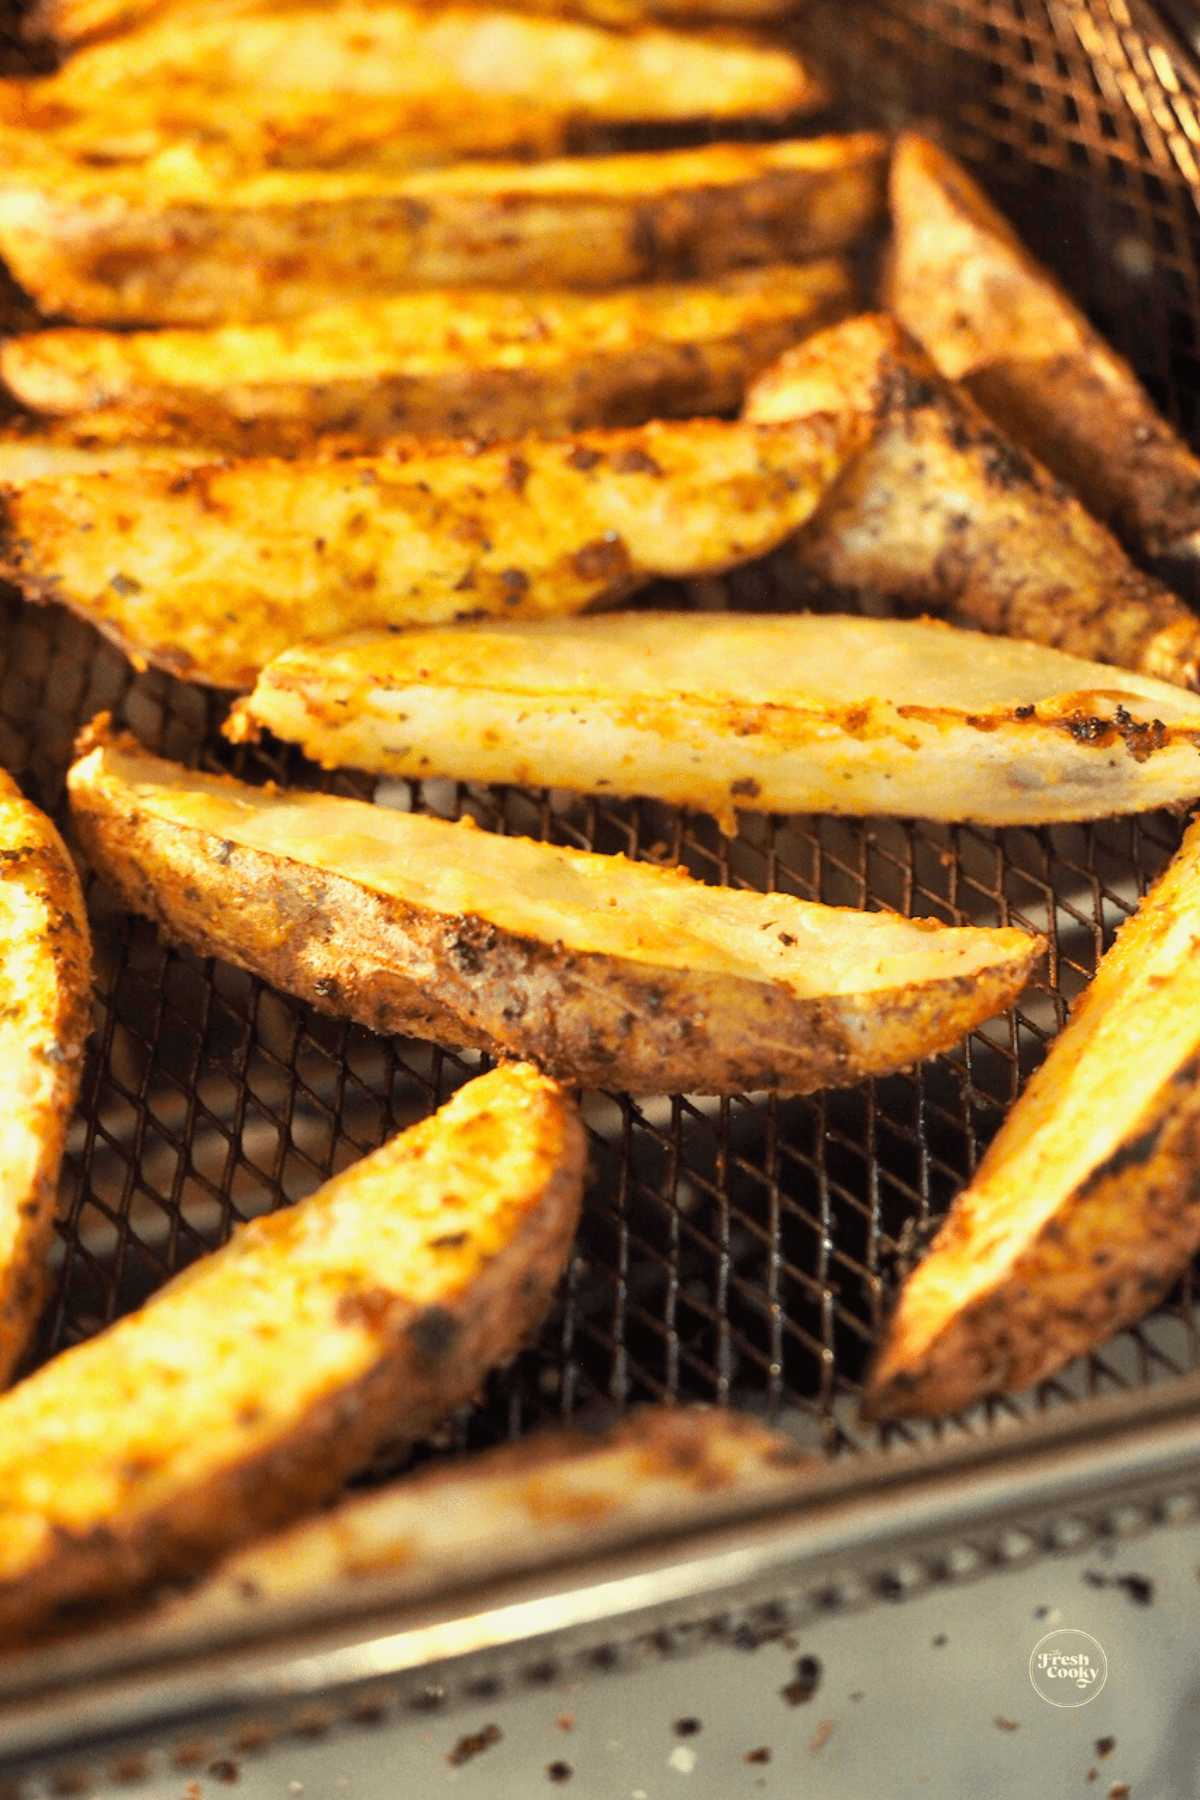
565,1721
1003,1724
1092,1775
940,1640
473,1744
559,1771
808,1678
1105,1747
224,1769
822,1735
858,1694
682,1758
1118,1790
1139,1588
761,1755
686,1727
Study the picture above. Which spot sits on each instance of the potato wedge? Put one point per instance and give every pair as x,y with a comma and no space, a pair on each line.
45,967
807,713
246,1390
445,361
77,21
1086,1206
945,513
990,316
445,53
177,243
563,1493
211,571
26,456
605,972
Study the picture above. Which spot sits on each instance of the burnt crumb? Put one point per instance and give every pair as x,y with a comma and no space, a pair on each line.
761,1755
940,1640
1139,1588
1041,1612
434,1333
224,1769
1105,1747
786,939
808,1680
559,1771
1003,1724
1024,712
473,1744
686,1727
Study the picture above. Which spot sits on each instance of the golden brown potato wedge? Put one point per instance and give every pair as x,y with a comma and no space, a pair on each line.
211,571
27,456
604,971
76,21
1086,1206
249,1387
481,360
943,512
990,316
177,243
45,970
808,713
446,53
560,1494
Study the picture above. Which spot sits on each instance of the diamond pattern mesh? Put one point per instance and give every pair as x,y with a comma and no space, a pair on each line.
743,1249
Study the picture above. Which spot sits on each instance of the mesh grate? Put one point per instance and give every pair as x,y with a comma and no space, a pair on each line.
741,1249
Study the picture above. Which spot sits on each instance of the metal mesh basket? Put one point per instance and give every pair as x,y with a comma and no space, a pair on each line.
739,1250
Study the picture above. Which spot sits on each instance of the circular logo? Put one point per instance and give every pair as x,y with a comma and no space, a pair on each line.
1068,1668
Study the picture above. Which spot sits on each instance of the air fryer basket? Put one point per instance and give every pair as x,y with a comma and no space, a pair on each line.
741,1251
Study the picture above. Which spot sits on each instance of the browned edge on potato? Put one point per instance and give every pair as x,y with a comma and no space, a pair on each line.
1086,1207
991,317
606,972
945,513
45,972
245,1391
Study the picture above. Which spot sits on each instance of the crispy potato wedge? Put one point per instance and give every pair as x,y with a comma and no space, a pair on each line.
943,512
45,967
445,52
177,243
807,713
445,361
559,1494
77,21
26,456
604,971
248,1388
1086,1206
211,571
990,316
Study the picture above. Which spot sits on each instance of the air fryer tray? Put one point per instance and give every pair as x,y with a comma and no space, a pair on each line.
740,1251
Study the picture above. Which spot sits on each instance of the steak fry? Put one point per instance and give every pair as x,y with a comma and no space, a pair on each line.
246,1390
943,512
481,360
211,571
807,713
1086,1206
45,967
176,242
990,316
606,972
559,1494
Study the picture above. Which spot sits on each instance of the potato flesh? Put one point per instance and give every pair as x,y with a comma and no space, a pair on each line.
989,315
355,49
214,571
600,905
126,1433
180,241
800,714
1073,1223
456,360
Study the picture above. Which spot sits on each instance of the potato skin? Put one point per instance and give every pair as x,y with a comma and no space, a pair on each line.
943,512
47,982
421,1361
121,251
588,1017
